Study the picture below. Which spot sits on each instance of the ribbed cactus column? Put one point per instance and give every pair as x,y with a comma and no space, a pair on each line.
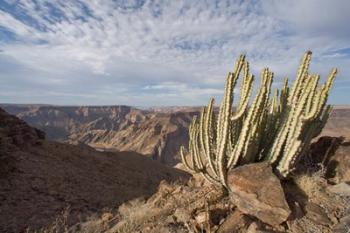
309,118
216,137
304,108
246,146
278,128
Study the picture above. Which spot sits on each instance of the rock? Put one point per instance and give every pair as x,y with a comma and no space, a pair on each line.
343,226
235,221
256,228
316,213
202,217
164,189
202,220
252,228
257,191
182,215
342,189
338,166
219,212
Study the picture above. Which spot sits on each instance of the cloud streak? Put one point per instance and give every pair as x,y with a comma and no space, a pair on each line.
153,52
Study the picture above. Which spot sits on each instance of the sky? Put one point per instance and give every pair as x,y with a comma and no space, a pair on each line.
162,53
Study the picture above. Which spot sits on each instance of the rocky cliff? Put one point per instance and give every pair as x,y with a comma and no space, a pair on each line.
157,134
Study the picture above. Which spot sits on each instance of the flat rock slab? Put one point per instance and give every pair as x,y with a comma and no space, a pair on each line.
258,192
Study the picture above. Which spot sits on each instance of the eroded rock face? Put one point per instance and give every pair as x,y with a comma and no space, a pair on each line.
155,134
257,191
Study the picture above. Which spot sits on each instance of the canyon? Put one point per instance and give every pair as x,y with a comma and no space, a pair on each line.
155,132
40,179
51,186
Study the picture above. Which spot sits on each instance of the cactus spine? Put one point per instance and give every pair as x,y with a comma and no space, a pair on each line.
278,128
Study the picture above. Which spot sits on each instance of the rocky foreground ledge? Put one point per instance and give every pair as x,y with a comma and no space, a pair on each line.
315,201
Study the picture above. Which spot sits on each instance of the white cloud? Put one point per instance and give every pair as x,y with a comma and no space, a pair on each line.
183,48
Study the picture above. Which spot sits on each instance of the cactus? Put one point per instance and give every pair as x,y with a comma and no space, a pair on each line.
278,128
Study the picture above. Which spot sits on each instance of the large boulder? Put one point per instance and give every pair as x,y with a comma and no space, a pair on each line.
257,191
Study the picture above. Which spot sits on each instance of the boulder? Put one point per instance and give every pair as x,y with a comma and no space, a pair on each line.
258,192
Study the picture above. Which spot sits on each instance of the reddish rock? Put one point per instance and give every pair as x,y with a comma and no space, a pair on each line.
234,222
257,191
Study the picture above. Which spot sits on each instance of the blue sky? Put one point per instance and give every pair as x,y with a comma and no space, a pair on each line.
147,53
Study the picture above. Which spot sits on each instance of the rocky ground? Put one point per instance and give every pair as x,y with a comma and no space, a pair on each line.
315,200
40,179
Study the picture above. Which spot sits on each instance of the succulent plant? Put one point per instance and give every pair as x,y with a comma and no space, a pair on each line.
278,127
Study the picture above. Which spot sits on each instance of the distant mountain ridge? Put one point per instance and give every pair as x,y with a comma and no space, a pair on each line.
156,132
